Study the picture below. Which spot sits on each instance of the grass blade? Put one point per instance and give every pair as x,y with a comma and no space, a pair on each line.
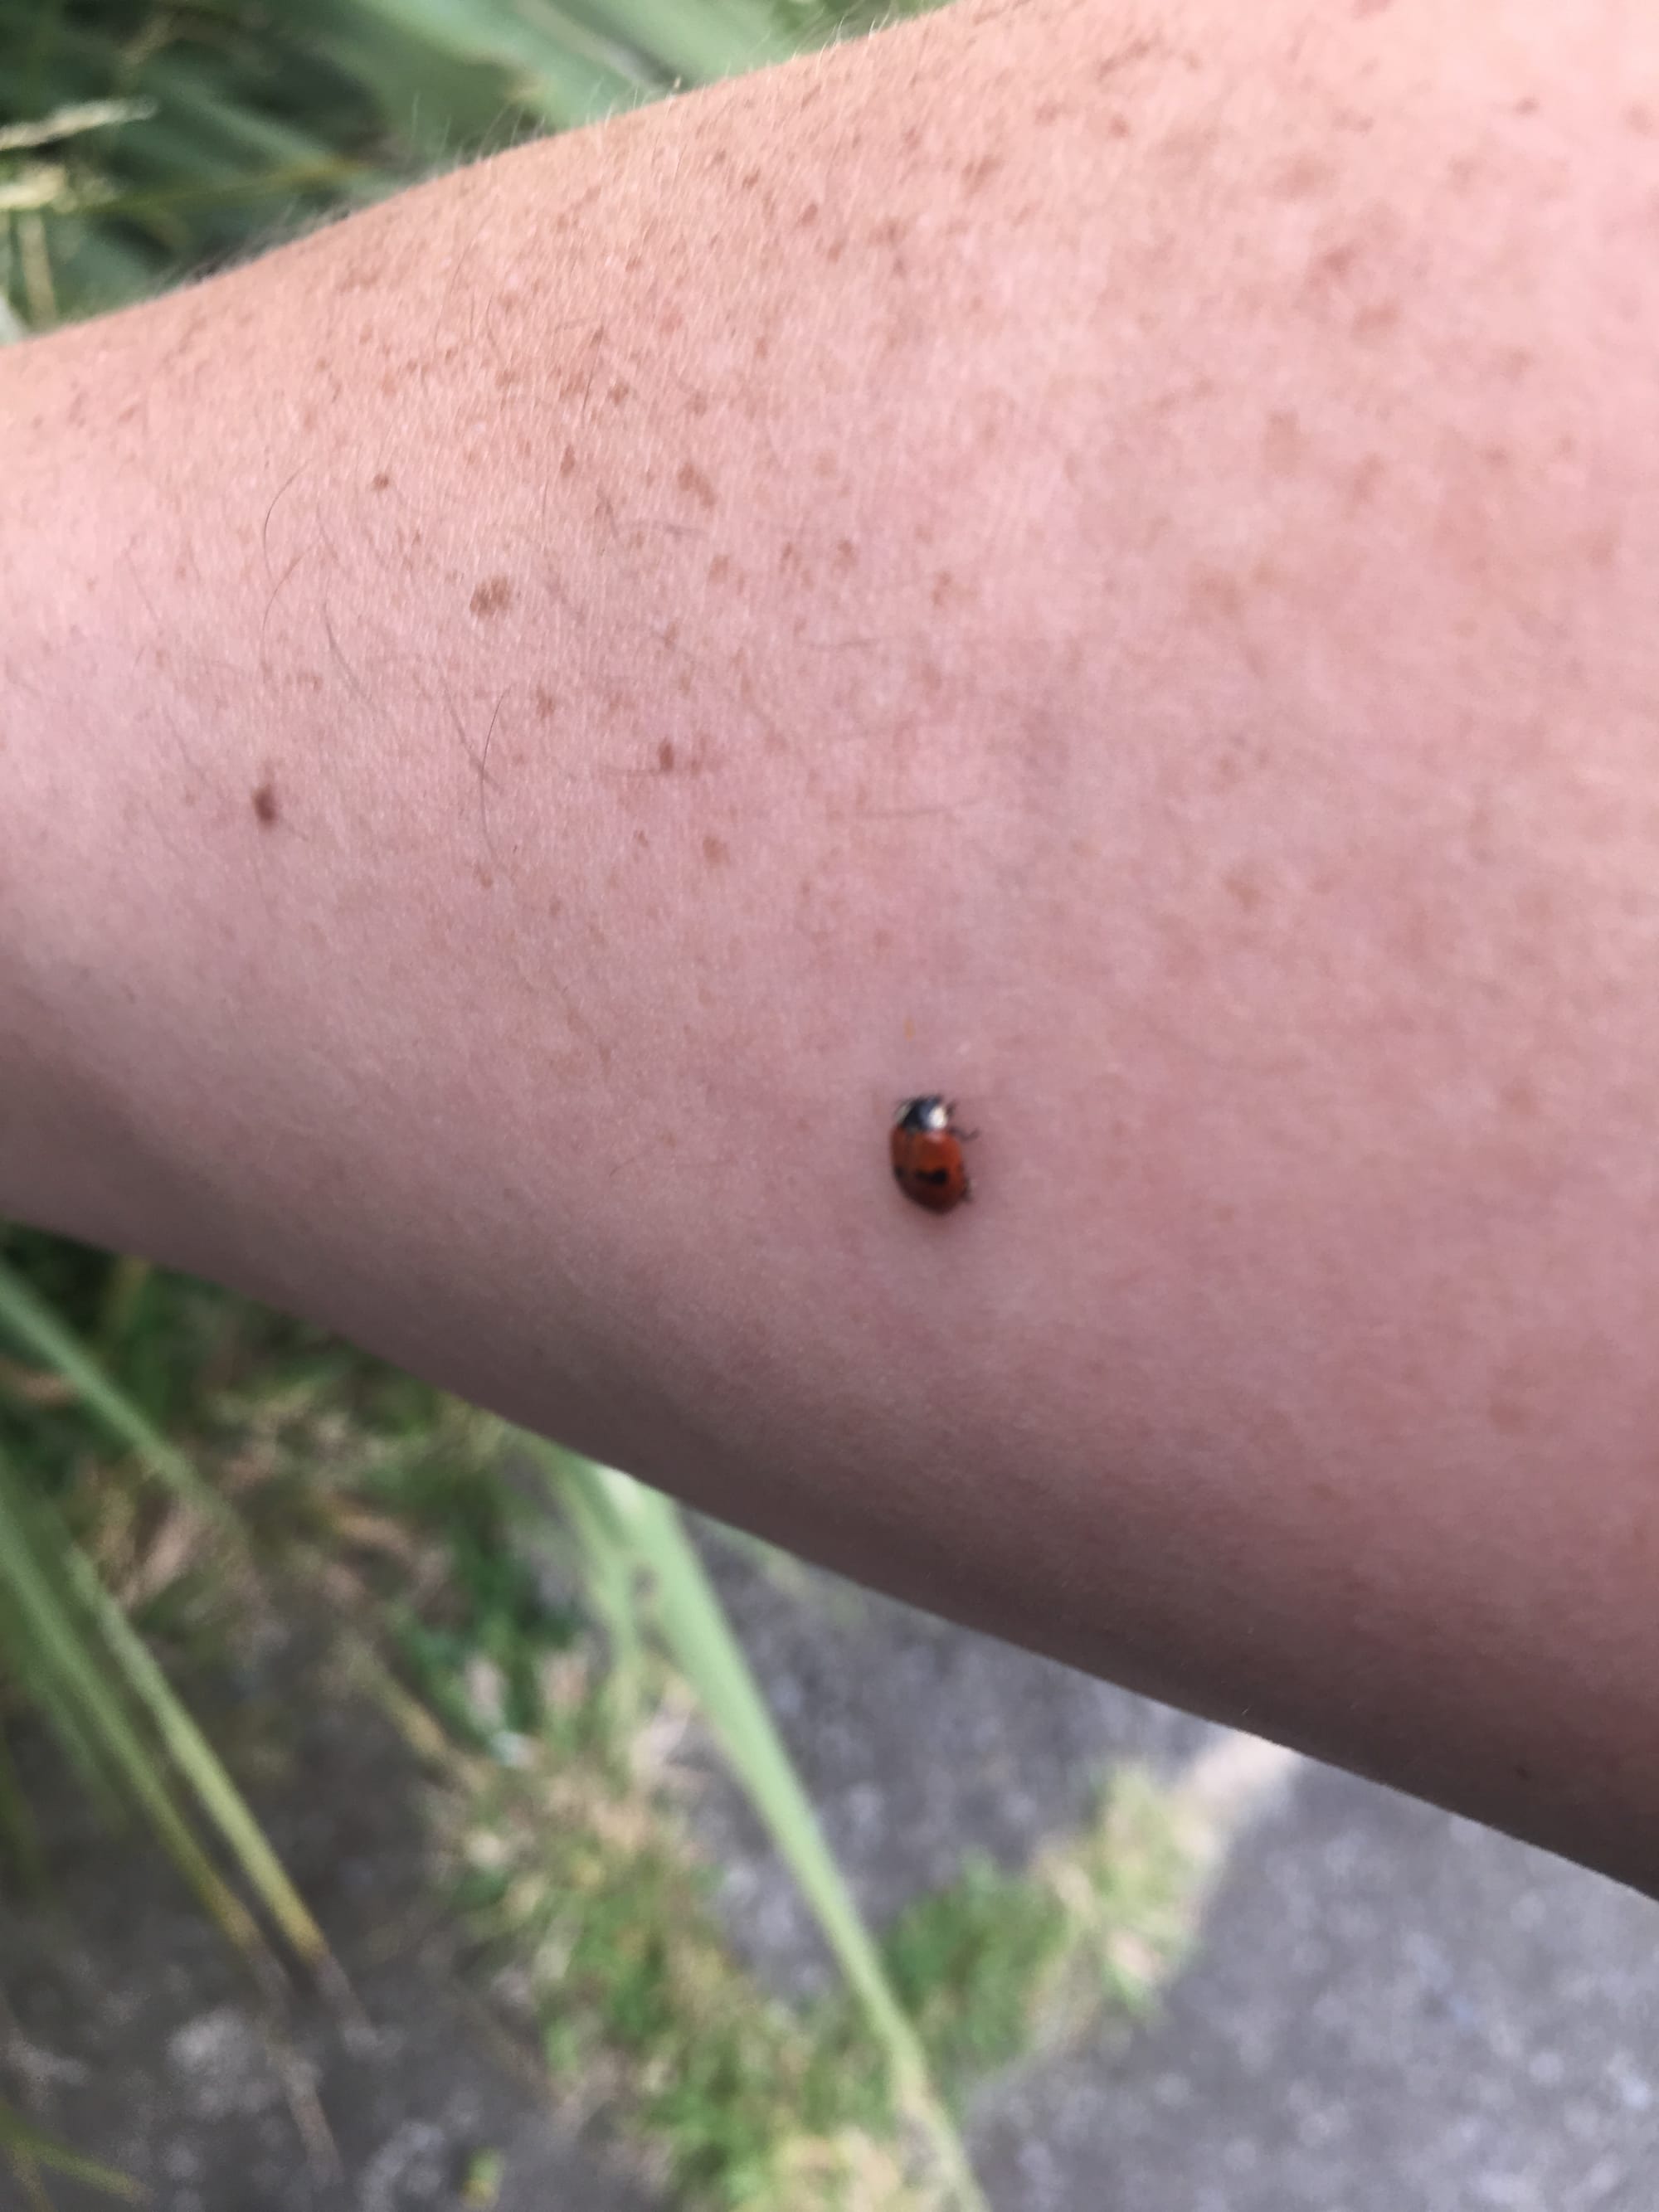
31,1322
694,1627
215,1792
32,1559
27,2146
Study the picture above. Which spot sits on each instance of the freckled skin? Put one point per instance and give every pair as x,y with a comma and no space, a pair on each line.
492,596
1210,744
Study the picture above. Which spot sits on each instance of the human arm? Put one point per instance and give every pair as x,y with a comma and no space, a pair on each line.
1098,563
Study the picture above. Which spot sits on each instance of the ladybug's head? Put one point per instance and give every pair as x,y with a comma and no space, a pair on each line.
930,1116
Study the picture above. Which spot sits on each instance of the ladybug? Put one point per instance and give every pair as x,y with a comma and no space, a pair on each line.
927,1149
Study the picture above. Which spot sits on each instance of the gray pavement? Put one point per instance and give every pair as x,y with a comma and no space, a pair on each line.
1390,2010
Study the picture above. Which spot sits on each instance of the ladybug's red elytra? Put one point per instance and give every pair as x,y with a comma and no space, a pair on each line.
927,1149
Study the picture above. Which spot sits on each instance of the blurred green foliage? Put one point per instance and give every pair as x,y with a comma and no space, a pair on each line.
140,145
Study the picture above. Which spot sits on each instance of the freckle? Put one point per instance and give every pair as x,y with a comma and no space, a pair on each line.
1463,170
789,558
1376,322
670,321
716,851
633,263
1600,546
546,705
665,757
1299,179
1364,481
824,464
486,879
1513,362
1363,8
1332,267
847,553
695,484
265,807
697,404
1507,1414
1049,111
1189,147
1639,120
1183,958
762,347
834,251
1529,105
1215,591
1245,889
720,568
809,214
567,462
641,842
1117,126
1281,443
493,597
944,585
1519,1099
379,481
507,378
619,392
751,178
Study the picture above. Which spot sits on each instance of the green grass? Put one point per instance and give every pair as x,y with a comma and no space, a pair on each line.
549,1723
138,147
971,1964
551,1726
